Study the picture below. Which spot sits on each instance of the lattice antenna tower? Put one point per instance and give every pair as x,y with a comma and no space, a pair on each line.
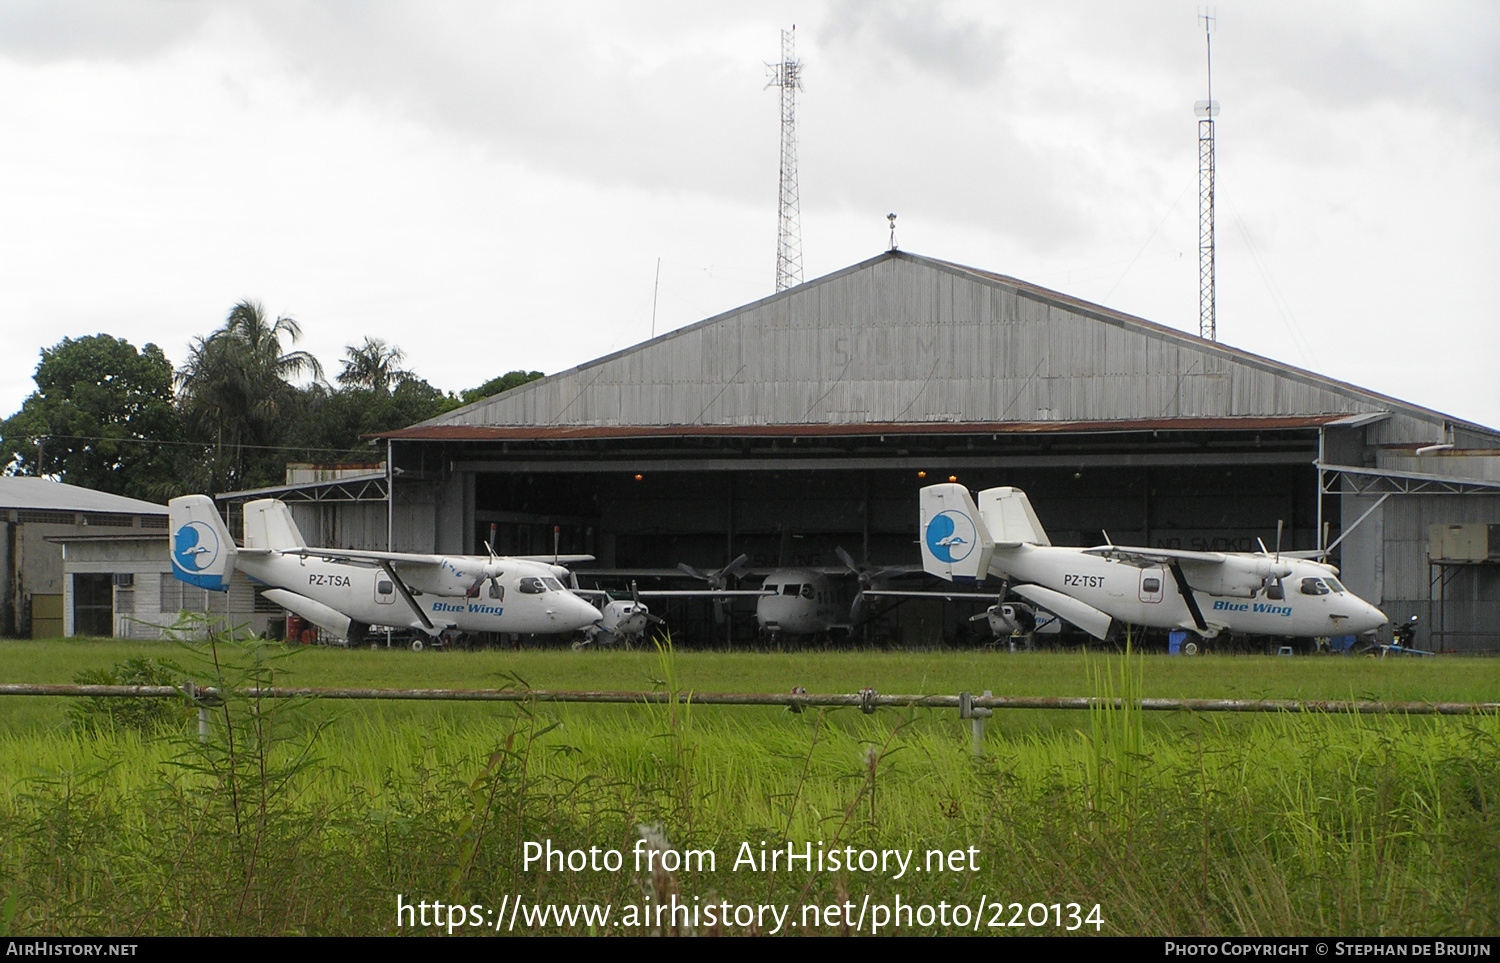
1206,111
787,76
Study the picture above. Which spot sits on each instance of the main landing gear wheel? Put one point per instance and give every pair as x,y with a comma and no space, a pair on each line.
417,645
1191,647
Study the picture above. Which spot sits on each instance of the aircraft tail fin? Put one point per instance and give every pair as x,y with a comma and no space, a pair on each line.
269,525
1008,514
955,542
203,554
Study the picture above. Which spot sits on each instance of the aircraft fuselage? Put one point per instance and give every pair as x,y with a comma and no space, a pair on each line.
805,603
1313,603
531,599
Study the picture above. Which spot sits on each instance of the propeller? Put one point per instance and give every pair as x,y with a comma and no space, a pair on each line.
1273,580
488,572
717,580
635,596
868,575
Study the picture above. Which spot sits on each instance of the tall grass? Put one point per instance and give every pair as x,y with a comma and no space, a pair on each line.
293,821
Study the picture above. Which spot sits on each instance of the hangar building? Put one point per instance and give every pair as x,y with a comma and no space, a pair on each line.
810,419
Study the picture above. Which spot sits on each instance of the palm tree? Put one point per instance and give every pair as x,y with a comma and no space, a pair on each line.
373,365
234,385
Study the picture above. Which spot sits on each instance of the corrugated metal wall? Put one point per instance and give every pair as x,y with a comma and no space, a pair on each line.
1471,613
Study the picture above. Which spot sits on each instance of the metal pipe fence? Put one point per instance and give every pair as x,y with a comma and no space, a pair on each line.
867,700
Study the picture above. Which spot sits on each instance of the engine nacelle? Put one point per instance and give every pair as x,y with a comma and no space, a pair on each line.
454,577
1241,576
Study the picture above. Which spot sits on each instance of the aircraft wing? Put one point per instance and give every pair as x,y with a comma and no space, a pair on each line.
991,597
411,558
674,594
553,559
1156,556
1081,614
705,593
358,555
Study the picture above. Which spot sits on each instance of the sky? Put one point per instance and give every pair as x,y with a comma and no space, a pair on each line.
493,186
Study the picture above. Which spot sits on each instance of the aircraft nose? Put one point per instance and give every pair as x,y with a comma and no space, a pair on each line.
575,612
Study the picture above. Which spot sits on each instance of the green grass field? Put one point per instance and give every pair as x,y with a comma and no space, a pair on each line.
311,818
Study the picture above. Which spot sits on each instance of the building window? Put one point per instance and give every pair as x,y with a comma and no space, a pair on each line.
110,521
47,518
179,596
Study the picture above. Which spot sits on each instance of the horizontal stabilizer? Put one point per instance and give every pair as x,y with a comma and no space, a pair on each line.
1008,515
269,525
1081,614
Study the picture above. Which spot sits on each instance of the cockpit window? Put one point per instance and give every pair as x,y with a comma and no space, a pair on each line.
1314,586
552,584
807,592
791,588
531,586
1333,583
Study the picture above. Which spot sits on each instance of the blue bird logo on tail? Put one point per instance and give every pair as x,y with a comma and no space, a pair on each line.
951,536
195,550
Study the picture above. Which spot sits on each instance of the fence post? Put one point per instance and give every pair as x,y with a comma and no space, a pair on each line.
190,689
977,717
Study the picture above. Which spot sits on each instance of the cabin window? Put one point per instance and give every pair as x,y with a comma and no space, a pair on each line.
1150,585
1333,583
1275,591
383,587
1314,586
531,586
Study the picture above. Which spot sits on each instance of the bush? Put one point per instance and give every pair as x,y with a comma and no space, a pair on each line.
147,716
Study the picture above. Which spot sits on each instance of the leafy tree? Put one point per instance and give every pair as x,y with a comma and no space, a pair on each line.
102,417
332,425
372,365
507,381
235,394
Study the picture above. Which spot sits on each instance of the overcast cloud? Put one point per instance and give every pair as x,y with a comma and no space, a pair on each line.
490,186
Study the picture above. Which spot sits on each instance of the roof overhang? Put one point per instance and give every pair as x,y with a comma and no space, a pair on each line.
482,433
1380,481
357,488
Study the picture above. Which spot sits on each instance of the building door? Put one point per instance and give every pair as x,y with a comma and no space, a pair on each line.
93,604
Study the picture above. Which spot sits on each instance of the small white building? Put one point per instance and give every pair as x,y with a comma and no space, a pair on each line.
81,562
143,599
38,598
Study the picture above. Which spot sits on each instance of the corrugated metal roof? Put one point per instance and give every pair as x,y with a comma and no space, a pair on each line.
815,429
42,494
911,340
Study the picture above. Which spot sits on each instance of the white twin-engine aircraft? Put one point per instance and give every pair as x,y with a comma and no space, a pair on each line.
347,591
1202,592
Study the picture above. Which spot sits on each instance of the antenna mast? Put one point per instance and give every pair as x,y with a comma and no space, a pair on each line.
1206,110
787,75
